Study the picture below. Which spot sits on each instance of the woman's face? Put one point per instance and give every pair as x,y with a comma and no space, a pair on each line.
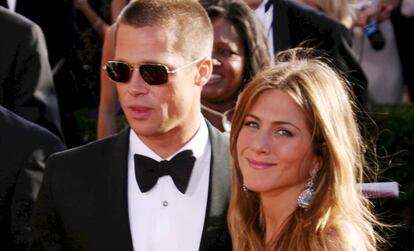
274,146
228,64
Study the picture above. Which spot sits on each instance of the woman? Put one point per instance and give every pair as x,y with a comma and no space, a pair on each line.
108,100
239,51
298,156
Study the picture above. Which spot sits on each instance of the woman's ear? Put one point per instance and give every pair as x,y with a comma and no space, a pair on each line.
205,68
322,152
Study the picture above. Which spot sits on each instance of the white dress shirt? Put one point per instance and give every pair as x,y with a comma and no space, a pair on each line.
163,218
12,5
266,17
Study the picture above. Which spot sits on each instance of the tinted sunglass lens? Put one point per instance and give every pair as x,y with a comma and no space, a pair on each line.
118,71
154,74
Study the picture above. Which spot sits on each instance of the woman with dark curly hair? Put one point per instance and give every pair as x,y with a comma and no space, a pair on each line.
239,52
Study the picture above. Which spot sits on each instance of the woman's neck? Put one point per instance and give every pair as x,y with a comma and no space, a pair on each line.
277,208
219,107
214,113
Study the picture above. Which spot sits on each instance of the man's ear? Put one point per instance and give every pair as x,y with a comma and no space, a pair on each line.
205,68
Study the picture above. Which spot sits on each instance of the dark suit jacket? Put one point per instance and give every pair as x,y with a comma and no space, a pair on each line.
24,146
58,25
82,204
26,81
295,24
56,18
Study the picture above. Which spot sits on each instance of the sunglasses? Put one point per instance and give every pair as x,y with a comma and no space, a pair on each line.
152,74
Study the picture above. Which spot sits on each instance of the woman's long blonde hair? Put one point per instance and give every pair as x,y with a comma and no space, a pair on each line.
337,205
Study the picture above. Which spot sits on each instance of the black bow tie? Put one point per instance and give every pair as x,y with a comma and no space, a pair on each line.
147,170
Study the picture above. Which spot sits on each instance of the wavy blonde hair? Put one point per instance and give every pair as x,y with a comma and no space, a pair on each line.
337,206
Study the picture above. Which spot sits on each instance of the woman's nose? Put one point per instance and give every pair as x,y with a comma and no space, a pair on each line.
261,143
216,62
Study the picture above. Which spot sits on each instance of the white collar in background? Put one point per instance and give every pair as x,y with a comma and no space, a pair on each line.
12,5
266,17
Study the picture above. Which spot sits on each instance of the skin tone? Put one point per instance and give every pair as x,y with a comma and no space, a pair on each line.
275,156
221,91
253,3
99,25
108,97
379,12
116,7
166,116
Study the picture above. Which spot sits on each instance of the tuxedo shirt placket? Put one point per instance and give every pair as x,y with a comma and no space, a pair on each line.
161,217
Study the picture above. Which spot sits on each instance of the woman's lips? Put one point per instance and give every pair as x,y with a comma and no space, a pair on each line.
256,164
215,79
139,112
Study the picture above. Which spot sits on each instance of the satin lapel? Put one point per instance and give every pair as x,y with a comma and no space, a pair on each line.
281,31
215,235
117,166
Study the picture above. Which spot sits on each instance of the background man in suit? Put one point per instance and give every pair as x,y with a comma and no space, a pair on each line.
60,31
290,24
26,81
113,194
24,146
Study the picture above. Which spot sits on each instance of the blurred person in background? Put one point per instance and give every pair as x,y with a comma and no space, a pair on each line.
375,45
24,148
109,108
289,24
239,52
26,81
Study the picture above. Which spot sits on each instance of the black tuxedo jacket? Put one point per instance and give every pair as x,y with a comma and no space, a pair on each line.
82,204
295,24
26,81
24,146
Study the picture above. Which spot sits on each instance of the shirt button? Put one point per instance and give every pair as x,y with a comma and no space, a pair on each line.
165,203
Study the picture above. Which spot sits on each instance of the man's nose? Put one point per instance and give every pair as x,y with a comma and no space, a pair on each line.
137,85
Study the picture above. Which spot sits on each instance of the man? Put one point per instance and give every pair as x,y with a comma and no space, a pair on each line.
24,147
290,24
26,81
114,194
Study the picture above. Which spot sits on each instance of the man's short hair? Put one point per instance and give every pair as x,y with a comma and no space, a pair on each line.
187,19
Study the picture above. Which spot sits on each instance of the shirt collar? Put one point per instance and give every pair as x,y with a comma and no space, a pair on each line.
196,144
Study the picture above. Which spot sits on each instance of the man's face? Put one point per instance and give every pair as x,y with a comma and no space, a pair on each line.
155,111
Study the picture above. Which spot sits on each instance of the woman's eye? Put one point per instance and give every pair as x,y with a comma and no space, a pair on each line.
283,132
226,52
251,124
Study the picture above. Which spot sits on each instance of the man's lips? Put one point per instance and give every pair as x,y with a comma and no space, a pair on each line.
139,112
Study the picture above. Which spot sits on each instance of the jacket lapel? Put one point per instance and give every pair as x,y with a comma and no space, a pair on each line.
281,31
117,166
215,234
